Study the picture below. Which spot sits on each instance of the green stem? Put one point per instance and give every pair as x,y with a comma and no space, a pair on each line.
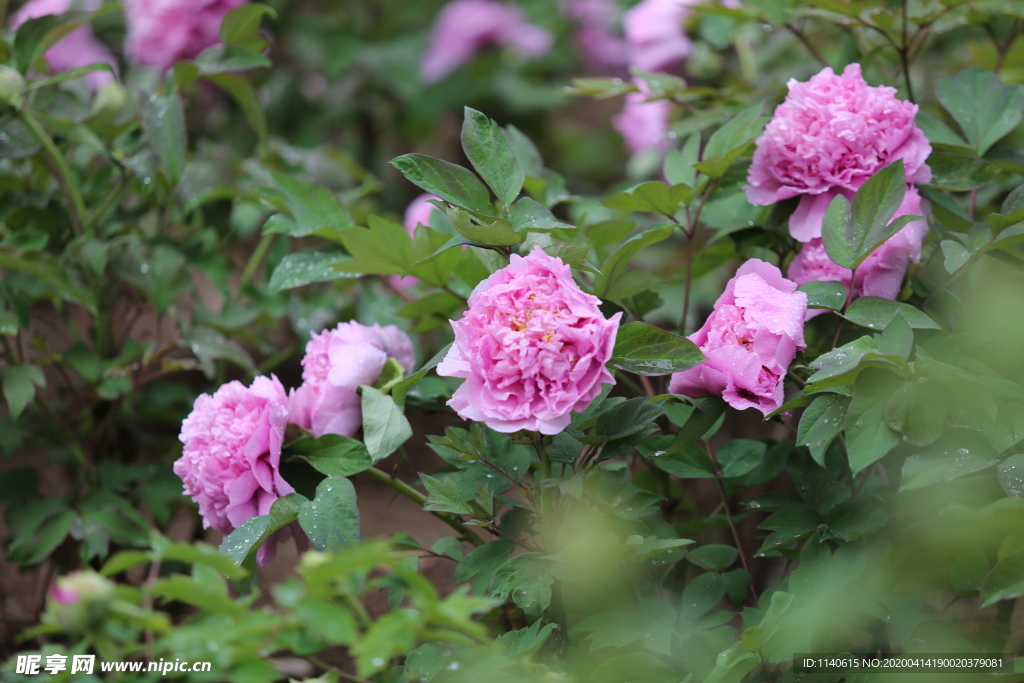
412,494
108,202
905,55
76,207
254,261
732,523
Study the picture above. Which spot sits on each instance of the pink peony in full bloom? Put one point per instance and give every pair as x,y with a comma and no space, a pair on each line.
336,363
644,125
532,348
881,273
830,135
76,50
162,32
464,27
232,453
750,339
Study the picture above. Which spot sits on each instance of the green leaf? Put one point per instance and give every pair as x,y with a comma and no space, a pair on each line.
842,360
1012,211
242,25
1011,475
312,206
824,294
877,313
695,423
483,560
918,409
242,91
968,572
307,267
623,419
955,255
163,122
1005,581
385,427
636,667
985,108
791,523
614,270
958,453
332,454
648,350
652,197
715,557
740,456
383,249
71,75
526,152
209,346
398,392
454,184
20,382
568,252
822,422
444,496
37,35
849,239
491,155
242,543
959,173
868,438
331,519
731,140
529,214
690,462
227,59
526,641
679,163
497,234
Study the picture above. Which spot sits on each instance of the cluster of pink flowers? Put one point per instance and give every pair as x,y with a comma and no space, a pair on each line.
830,135
160,33
464,27
750,339
532,348
230,462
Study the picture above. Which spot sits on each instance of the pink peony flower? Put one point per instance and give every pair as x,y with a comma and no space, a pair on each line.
656,35
230,464
76,50
644,124
830,135
162,32
881,273
464,27
532,348
750,339
336,363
